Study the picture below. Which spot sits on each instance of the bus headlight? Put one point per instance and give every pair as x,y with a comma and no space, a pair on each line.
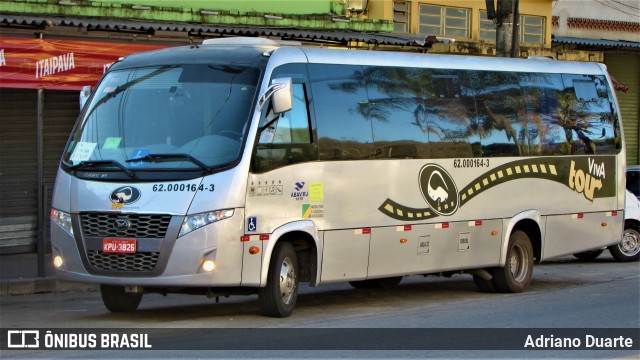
208,265
63,219
57,261
193,222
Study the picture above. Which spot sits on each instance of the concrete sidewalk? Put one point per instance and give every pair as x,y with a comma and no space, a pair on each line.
19,276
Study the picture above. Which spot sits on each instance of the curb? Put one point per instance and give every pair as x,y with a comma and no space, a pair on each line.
42,285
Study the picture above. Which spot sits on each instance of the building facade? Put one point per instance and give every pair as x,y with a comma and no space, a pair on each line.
610,28
466,26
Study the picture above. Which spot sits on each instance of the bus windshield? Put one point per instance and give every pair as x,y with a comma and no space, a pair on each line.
178,117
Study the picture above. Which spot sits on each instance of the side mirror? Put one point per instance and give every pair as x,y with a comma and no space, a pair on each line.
280,93
281,101
84,95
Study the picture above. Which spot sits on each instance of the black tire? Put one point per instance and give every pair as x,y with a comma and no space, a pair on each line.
388,283
588,255
516,275
116,300
278,298
363,284
629,248
383,283
484,285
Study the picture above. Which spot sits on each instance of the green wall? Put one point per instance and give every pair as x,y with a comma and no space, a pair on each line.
248,6
303,14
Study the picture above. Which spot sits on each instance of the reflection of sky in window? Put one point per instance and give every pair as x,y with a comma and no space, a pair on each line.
338,94
396,111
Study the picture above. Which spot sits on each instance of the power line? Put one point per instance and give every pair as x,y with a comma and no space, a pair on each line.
623,11
617,9
627,5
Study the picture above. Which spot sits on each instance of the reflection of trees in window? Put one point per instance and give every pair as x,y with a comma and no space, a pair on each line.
459,113
396,102
390,90
584,113
430,100
500,113
571,118
450,116
343,130
539,93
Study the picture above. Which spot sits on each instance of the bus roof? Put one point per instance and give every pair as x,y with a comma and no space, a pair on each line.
254,55
437,61
198,54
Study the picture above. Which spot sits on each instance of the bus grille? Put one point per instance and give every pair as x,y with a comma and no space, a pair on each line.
141,226
122,262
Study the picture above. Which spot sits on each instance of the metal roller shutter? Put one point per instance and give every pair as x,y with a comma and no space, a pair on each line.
18,160
626,68
18,167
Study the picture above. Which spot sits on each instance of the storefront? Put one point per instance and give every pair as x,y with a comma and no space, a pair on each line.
40,81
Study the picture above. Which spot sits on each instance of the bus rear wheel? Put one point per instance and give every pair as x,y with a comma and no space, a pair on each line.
278,298
516,275
116,300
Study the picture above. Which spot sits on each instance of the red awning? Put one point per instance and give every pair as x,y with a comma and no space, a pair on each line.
618,85
58,64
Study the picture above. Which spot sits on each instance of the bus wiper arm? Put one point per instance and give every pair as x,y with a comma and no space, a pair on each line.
172,157
86,164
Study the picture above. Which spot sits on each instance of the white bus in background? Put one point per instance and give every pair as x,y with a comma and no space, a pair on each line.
242,166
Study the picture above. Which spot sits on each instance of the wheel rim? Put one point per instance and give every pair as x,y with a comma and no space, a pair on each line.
518,263
287,281
629,245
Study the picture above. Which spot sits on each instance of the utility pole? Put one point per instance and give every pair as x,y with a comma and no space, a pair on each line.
506,16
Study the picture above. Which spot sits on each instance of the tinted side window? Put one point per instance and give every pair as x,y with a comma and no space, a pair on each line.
397,111
451,114
540,93
584,113
500,114
286,138
342,112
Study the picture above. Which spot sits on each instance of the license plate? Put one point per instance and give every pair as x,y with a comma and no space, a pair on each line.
113,245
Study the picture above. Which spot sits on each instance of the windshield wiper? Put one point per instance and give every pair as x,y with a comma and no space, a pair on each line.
172,157
88,164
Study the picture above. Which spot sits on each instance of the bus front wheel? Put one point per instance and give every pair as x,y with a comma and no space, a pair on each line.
278,298
516,275
116,300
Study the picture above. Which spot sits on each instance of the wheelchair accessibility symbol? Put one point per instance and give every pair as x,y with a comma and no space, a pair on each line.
252,223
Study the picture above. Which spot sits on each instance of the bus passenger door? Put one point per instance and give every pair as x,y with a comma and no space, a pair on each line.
345,255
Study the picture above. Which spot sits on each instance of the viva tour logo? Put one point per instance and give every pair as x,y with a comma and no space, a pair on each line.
587,181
